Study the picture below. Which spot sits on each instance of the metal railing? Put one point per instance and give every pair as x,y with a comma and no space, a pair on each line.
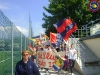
84,31
78,46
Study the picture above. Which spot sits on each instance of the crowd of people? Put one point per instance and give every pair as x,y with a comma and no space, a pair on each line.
26,66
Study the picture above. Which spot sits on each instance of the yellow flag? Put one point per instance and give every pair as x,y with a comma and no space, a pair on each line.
59,62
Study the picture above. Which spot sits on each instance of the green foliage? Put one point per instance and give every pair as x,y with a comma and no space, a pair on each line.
77,10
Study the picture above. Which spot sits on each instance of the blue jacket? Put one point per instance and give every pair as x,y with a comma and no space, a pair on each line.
28,68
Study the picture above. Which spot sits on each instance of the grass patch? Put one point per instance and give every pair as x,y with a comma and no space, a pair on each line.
6,61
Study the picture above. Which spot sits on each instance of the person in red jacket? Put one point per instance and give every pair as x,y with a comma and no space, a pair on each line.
26,66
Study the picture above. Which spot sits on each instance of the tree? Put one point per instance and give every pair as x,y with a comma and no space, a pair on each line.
77,10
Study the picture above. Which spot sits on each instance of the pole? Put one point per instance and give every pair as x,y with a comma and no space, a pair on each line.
12,45
25,43
21,44
86,31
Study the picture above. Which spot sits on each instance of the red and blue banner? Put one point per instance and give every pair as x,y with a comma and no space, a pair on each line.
59,39
60,26
56,39
68,31
65,27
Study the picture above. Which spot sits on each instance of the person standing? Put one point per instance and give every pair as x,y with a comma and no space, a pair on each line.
66,49
71,57
26,66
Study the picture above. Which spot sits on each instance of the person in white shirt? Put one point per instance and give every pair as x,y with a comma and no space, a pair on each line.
71,57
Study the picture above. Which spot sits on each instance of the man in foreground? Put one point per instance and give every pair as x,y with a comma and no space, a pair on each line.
26,66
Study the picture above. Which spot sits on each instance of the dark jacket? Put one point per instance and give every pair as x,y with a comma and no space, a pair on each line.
28,68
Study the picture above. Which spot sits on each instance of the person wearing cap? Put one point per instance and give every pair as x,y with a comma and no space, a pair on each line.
26,66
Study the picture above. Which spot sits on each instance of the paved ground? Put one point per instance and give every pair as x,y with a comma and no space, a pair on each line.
52,72
43,72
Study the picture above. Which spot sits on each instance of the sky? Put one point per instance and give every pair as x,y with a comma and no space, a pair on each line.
17,11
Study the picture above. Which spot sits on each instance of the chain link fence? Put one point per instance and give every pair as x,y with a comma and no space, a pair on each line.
12,42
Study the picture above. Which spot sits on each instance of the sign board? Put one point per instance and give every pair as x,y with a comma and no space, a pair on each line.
46,59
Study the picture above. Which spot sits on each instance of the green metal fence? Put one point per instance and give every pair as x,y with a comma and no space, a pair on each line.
12,42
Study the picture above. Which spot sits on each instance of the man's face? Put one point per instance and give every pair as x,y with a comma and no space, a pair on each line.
25,56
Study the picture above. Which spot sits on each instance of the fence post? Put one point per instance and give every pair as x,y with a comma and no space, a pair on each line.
21,44
25,43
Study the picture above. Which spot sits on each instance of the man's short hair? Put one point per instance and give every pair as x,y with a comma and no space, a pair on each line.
25,51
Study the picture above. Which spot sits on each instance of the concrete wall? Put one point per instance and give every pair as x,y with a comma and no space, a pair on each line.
94,45
77,68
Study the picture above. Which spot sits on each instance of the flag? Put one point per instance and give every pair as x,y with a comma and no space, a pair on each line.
59,39
33,49
36,39
30,47
58,64
55,39
60,25
44,37
68,31
40,39
52,37
65,27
